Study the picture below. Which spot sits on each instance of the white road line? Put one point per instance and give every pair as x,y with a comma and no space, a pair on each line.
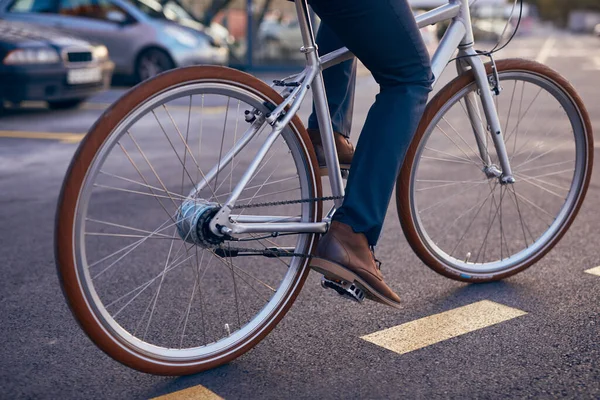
196,392
594,271
436,328
594,64
546,50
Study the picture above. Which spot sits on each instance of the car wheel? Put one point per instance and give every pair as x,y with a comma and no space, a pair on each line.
64,104
151,63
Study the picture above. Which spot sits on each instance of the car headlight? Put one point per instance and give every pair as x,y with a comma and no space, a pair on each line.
32,56
183,37
100,53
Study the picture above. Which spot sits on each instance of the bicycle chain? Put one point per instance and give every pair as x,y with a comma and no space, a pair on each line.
286,202
268,252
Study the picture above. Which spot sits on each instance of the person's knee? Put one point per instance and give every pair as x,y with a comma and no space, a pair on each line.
419,75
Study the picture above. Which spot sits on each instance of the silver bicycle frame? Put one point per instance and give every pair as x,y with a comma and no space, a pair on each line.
459,35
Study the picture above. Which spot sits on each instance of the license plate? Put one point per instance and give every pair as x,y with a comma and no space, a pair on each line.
84,75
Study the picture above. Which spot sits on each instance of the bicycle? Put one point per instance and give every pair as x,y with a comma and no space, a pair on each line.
197,286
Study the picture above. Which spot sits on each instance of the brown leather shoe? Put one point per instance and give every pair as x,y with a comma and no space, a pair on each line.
345,149
345,255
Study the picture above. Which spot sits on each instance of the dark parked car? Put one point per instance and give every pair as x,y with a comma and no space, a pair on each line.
38,63
141,38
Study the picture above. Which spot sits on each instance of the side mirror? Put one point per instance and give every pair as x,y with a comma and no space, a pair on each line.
117,17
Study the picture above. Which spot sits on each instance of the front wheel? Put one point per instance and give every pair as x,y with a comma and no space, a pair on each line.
149,290
457,215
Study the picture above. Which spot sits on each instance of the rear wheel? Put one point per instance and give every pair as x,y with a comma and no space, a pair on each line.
143,292
456,214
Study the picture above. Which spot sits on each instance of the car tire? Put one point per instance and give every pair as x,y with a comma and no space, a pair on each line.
64,104
152,62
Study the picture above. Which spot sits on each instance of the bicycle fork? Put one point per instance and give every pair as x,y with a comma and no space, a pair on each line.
491,116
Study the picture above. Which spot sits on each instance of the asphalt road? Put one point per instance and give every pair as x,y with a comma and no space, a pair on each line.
542,342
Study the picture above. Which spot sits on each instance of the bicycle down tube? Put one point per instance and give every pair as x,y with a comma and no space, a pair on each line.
459,35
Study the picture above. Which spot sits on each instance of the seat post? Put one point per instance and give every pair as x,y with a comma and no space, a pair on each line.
320,99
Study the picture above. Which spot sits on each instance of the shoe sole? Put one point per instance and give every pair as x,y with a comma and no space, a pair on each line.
334,271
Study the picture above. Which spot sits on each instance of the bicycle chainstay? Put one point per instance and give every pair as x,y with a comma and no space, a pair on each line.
228,251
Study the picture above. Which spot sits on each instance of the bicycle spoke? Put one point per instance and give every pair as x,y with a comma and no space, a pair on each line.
446,199
444,160
132,191
547,166
458,159
221,150
125,227
187,173
512,98
523,223
531,182
236,268
490,227
472,220
130,249
535,206
457,146
549,174
162,279
170,194
235,291
279,181
540,156
461,216
146,182
463,140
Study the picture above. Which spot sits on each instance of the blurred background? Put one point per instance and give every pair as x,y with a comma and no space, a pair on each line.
96,43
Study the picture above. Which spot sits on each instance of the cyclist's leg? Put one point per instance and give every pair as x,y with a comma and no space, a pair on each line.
340,81
384,36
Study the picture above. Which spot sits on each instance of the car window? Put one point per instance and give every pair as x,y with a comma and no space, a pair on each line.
175,12
95,9
32,6
151,8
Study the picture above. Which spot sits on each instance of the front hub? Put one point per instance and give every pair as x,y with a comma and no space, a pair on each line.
193,219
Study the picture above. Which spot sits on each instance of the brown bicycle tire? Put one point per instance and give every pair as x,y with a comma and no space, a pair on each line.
403,189
68,200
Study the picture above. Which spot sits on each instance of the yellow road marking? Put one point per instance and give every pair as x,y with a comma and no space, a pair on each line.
594,271
433,329
103,106
62,137
206,110
196,393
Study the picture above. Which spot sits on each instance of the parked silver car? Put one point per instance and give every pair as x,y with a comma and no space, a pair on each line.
141,40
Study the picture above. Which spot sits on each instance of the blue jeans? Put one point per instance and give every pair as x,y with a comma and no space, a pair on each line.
383,34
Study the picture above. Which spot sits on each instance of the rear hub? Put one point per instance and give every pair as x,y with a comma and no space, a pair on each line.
193,219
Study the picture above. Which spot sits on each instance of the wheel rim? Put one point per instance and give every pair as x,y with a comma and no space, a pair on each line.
99,299
556,152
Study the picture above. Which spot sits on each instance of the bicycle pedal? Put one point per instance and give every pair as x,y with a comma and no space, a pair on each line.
345,289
